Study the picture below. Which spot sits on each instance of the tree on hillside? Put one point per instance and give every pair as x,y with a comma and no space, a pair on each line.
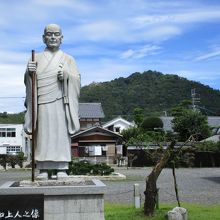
152,124
190,122
16,118
138,116
180,107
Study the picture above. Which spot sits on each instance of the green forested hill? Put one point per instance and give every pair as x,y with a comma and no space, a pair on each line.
6,118
151,90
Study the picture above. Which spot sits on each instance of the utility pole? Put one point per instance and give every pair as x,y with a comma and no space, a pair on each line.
194,99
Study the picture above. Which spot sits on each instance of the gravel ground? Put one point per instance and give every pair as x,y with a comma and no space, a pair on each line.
200,185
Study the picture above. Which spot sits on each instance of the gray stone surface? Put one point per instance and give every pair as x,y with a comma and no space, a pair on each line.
177,213
172,215
60,182
182,211
97,188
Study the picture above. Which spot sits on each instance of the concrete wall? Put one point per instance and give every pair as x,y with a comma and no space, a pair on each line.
71,207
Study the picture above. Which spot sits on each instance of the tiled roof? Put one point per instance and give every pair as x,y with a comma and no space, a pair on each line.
90,110
167,123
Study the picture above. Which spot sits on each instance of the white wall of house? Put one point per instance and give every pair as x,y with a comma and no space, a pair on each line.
12,137
119,124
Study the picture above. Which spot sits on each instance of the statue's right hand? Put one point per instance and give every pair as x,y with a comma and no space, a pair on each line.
32,66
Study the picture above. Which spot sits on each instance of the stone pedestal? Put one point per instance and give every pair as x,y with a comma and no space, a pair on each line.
84,202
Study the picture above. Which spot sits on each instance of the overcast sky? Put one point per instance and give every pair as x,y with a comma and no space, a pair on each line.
111,39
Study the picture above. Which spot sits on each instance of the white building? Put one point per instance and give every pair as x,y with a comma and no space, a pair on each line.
12,139
118,124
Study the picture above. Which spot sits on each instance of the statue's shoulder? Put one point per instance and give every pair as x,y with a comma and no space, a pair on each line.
68,56
38,55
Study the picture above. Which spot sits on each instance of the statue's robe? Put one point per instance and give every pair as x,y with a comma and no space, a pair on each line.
55,121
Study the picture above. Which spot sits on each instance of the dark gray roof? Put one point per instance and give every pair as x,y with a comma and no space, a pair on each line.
167,123
214,121
91,110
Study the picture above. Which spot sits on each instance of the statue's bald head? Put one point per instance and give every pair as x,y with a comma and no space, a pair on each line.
52,28
52,36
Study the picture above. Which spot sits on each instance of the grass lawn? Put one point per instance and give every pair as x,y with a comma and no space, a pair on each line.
127,212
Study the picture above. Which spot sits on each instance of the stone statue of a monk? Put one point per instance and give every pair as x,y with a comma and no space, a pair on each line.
56,113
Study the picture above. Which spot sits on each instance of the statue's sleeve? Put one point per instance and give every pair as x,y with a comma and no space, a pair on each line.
28,103
73,96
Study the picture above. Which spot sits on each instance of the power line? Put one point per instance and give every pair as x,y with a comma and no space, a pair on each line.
11,97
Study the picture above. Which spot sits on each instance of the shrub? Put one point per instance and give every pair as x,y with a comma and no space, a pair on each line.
12,160
152,123
3,161
208,146
86,168
101,169
184,158
20,159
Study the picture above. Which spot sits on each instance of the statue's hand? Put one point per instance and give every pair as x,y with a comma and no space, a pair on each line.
32,66
60,76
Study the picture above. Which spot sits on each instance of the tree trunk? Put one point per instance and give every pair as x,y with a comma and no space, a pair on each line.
151,181
175,184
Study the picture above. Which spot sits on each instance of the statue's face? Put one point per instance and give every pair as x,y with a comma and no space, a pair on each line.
52,37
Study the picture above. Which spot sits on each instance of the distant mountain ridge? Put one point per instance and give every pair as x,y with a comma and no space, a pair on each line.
151,90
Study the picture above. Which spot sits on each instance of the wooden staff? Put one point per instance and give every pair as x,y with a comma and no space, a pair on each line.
33,116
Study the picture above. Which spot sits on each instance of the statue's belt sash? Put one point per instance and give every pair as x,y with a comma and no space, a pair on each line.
48,87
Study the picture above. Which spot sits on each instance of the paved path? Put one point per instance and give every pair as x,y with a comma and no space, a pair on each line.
195,185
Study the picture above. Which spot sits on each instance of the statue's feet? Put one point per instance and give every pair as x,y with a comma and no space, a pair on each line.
61,174
42,176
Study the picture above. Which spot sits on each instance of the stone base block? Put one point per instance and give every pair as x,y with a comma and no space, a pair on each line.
84,202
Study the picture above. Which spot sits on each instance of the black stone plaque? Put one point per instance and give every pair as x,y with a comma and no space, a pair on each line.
22,207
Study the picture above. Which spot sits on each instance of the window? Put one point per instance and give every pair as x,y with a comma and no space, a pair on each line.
11,132
92,150
117,129
7,132
89,125
104,150
2,132
13,149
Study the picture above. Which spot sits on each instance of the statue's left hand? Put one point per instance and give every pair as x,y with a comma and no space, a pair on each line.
60,76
